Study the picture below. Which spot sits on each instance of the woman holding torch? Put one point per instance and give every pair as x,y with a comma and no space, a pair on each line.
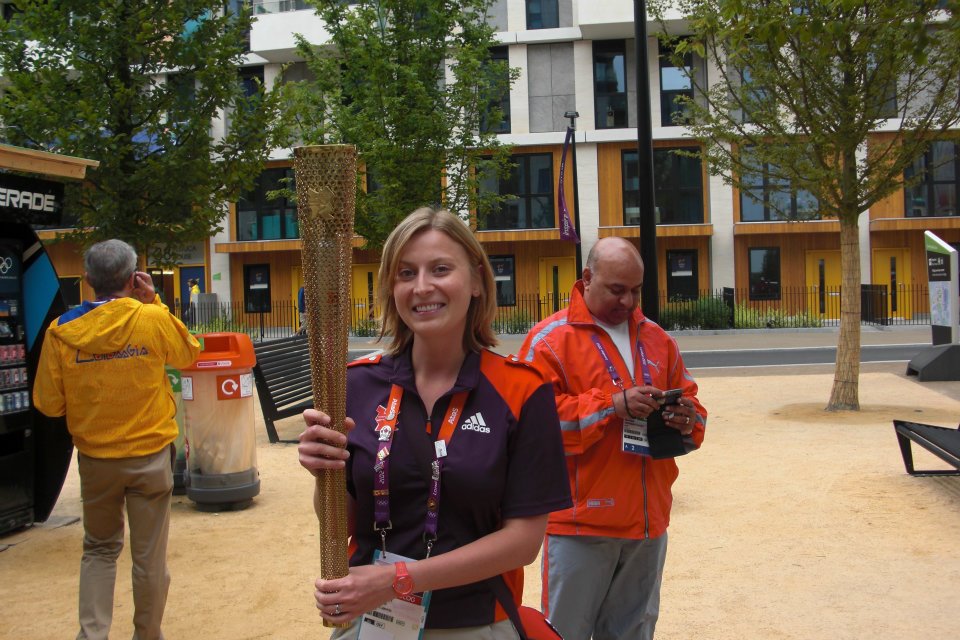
453,458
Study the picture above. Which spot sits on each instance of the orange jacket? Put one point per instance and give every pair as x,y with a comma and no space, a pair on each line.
615,494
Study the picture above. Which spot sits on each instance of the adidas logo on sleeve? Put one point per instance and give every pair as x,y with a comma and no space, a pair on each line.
475,423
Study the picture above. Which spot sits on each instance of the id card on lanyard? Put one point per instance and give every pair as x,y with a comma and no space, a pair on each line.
634,438
399,619
404,618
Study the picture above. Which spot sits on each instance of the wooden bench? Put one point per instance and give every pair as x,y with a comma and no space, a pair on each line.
283,378
940,441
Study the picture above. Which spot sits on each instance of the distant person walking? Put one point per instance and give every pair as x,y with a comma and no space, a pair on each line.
102,366
194,286
302,309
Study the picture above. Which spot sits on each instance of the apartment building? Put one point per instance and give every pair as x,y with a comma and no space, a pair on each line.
576,55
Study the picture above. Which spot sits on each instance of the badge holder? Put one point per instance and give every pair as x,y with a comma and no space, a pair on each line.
402,618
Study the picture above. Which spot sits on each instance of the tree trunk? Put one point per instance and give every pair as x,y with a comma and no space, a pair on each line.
845,395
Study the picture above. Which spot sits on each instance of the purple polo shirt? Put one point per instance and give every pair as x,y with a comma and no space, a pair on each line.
505,460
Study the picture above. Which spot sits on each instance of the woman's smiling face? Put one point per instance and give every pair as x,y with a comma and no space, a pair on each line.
434,285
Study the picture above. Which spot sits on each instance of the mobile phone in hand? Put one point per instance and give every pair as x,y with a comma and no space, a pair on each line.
671,396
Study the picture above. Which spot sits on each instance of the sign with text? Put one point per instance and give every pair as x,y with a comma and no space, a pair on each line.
30,200
944,290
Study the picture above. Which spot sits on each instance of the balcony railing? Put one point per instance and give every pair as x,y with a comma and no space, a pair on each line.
278,6
720,309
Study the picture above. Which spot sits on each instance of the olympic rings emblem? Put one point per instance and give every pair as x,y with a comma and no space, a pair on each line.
5,265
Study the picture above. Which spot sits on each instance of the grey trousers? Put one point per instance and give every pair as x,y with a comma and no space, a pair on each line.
144,485
607,588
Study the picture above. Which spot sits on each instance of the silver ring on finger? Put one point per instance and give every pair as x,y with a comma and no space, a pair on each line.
336,609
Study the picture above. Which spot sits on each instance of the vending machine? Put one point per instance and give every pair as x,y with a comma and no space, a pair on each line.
35,450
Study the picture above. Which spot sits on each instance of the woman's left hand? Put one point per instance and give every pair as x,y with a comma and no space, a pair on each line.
364,589
681,416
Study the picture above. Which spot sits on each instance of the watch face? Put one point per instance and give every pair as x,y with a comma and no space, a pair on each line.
403,585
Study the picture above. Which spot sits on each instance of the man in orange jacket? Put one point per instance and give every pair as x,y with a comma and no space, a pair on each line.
603,559
102,366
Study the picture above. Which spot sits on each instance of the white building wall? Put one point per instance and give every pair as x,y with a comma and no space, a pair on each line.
220,264
719,201
520,94
589,194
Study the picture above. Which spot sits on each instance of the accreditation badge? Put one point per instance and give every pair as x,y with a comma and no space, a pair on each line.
399,619
635,437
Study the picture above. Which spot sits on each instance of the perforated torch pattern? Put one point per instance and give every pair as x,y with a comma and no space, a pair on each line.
326,197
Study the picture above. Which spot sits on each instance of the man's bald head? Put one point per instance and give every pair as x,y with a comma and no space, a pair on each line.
612,279
610,249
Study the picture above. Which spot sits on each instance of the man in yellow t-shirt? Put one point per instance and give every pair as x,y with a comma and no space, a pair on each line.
102,366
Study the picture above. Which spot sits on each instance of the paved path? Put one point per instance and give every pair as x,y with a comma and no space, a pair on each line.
773,338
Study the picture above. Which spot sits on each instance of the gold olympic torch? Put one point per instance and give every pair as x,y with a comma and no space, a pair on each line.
326,196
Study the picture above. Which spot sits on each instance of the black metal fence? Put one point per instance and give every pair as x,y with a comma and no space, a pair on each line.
725,308
795,307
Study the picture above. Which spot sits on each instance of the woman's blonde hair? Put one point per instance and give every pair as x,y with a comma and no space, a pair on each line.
478,332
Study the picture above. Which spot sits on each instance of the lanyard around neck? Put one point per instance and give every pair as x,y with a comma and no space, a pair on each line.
386,426
612,370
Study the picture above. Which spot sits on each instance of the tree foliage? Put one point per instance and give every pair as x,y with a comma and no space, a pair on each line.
411,84
834,98
139,86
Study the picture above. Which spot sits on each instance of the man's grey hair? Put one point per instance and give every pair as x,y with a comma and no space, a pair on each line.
109,264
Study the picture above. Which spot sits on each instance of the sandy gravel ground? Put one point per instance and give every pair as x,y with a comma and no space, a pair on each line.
789,523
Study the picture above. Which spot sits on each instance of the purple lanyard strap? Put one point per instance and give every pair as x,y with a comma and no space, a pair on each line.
612,370
386,426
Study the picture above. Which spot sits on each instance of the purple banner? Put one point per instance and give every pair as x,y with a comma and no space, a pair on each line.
567,231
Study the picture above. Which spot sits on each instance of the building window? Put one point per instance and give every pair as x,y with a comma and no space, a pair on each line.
765,273
768,196
678,188
610,83
500,66
675,82
251,78
938,173
504,276
260,218
543,14
183,90
256,288
682,280
753,95
531,187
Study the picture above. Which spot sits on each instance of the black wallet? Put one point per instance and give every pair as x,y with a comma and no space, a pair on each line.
665,442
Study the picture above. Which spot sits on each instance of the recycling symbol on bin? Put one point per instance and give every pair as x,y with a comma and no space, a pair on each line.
232,387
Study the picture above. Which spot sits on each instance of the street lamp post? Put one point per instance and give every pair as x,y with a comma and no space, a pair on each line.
649,298
573,115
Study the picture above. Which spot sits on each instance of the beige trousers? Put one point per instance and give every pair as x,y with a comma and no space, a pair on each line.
144,485
502,630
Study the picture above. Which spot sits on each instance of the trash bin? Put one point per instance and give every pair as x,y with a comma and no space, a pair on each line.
180,462
217,393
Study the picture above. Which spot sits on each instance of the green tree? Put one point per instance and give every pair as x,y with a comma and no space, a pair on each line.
139,86
411,84
800,90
